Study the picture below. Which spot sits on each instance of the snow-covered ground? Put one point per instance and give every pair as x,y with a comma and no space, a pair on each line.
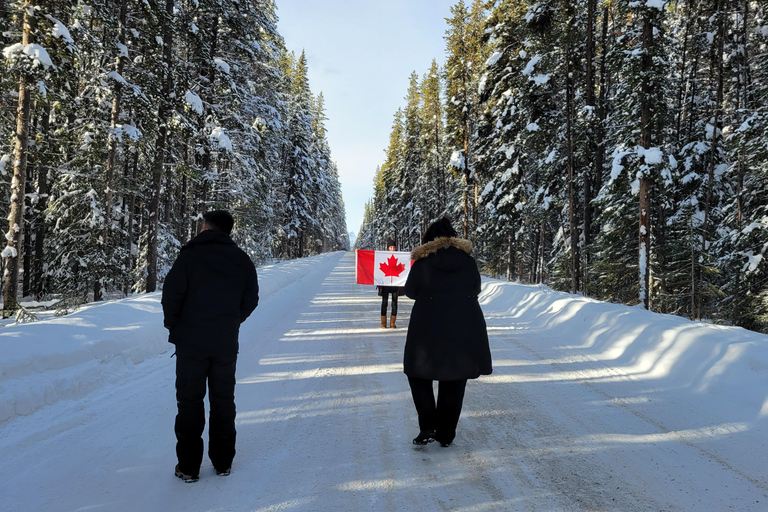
591,406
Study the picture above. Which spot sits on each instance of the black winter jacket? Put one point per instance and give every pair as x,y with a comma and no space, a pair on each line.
211,289
447,337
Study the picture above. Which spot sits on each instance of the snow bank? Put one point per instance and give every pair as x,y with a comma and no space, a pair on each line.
68,357
723,367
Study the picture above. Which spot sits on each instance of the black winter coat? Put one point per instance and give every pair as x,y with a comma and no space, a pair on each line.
447,337
211,289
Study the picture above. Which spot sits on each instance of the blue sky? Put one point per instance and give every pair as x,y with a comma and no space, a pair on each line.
361,54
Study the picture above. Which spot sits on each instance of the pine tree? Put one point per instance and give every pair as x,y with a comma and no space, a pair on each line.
412,198
432,185
466,55
23,56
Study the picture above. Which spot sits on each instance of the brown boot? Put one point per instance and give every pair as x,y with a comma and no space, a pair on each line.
392,322
384,321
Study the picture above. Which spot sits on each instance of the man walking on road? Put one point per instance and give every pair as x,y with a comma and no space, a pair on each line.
211,289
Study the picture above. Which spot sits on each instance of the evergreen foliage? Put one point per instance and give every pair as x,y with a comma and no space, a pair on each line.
143,115
618,149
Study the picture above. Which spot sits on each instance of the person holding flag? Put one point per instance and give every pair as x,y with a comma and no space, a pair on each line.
387,270
385,292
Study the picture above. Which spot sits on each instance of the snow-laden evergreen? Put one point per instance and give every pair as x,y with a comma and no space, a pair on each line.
141,117
617,149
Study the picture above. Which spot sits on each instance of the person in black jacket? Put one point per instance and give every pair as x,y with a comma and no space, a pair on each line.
210,290
447,339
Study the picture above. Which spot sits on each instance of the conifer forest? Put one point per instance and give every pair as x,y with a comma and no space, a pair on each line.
122,121
612,148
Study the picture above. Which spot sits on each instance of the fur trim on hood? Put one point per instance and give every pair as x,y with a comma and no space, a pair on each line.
441,243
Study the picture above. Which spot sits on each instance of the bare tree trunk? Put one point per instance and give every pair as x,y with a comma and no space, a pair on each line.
466,203
743,97
572,217
691,19
466,169
593,146
131,220
208,79
646,134
160,145
114,120
13,251
717,61
29,218
42,200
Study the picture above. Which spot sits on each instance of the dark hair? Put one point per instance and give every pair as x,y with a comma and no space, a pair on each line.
219,219
439,229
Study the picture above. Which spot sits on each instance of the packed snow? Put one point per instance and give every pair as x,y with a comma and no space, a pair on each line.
591,406
493,59
131,131
59,30
457,159
4,163
36,53
528,70
222,65
222,139
194,101
652,156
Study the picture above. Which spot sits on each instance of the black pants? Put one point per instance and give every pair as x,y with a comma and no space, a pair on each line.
191,376
384,296
444,416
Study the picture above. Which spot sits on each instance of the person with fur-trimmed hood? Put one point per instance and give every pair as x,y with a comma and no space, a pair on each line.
447,338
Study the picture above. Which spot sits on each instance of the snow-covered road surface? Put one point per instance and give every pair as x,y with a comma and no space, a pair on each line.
325,423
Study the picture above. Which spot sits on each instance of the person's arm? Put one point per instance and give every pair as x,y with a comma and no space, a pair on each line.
413,281
174,291
251,294
477,280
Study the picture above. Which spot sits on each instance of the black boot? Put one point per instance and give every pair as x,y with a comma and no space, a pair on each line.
424,437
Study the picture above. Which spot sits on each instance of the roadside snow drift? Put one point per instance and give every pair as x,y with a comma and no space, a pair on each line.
68,357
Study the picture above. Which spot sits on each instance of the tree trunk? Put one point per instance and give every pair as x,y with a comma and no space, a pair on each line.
691,19
592,150
114,120
646,134
208,79
572,207
13,251
744,107
29,217
716,62
42,193
131,220
160,144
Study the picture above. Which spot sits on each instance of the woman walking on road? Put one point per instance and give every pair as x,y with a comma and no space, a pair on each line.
385,292
447,339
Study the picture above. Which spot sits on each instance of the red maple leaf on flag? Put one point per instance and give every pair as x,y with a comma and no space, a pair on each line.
393,268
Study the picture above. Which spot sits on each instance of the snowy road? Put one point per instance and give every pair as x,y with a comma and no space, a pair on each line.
325,422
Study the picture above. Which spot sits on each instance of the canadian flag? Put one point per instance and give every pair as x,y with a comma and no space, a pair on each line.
383,268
